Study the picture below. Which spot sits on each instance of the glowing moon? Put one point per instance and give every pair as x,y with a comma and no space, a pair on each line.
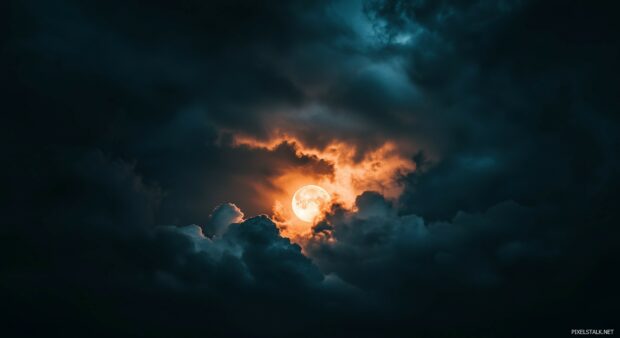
309,201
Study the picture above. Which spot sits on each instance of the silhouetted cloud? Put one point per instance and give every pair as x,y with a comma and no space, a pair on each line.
222,216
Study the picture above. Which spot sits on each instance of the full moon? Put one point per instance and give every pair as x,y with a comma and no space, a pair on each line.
309,201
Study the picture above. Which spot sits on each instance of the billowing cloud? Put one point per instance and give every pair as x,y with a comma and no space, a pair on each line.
374,248
222,216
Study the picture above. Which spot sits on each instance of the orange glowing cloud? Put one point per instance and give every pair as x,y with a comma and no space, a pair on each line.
378,170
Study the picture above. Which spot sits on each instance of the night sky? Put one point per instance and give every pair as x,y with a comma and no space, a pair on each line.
151,151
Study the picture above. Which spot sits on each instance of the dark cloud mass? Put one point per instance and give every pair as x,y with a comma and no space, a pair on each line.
131,209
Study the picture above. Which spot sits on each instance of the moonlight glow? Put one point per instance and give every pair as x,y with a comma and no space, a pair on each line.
309,201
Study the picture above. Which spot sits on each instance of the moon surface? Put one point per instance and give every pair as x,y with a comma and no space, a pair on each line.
309,202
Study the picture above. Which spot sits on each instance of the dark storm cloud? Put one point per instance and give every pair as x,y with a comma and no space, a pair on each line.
118,120
218,55
111,77
508,100
504,271
417,266
87,257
